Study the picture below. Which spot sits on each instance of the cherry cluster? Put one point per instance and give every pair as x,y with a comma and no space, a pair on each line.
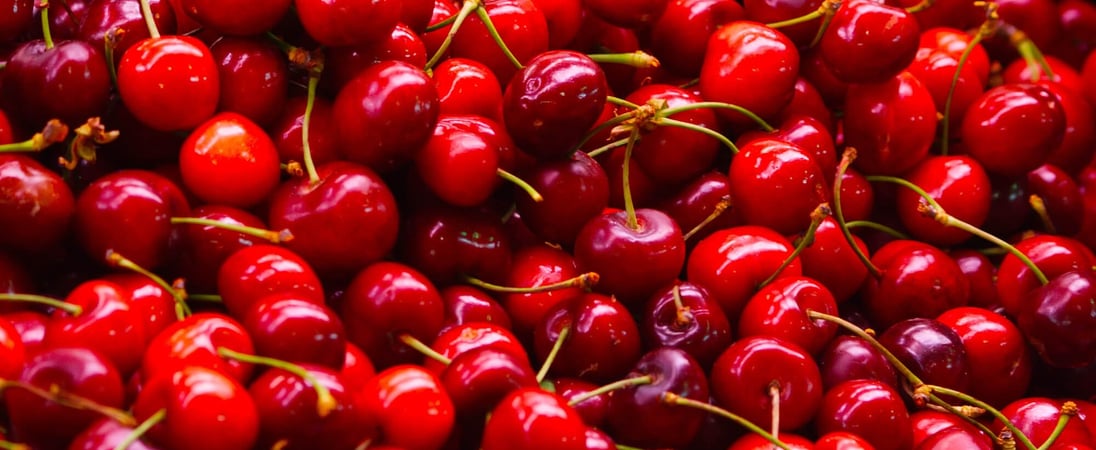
547,224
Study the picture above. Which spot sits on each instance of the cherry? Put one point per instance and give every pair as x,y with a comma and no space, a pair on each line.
733,262
869,42
551,102
446,244
1036,418
806,132
1057,319
75,371
238,17
535,266
808,102
533,418
1000,361
15,20
574,191
169,83
600,338
870,409
203,247
955,437
286,327
1077,144
341,22
770,171
106,434
255,272
852,358
13,352
198,398
772,11
466,86
954,42
695,204
385,114
519,23
385,300
478,378
679,36
254,78
564,18
935,68
67,81
229,160
456,340
30,326
288,416
917,280
891,123
412,407
779,309
927,423
39,208
123,22
685,316
1062,203
466,304
342,64
989,128
593,409
195,342
638,415
671,155
152,304
459,163
832,261
341,222
931,350
1053,255
286,132
357,368
647,237
958,184
750,65
841,440
753,441
982,275
105,323
755,369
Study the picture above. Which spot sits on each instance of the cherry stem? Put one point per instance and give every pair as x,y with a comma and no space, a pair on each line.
274,237
142,429
614,386
517,181
1006,441
466,8
607,147
70,400
720,207
9,445
718,105
638,59
46,35
150,22
878,227
310,102
674,399
54,132
967,412
1040,206
1068,411
621,102
817,216
867,337
616,120
110,41
282,45
481,12
923,5
1027,49
984,30
684,314
543,372
827,17
182,310
629,204
442,24
585,281
421,347
846,160
325,402
825,8
699,129
774,393
69,308
1016,433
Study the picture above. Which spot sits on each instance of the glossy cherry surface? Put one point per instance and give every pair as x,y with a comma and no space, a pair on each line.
169,83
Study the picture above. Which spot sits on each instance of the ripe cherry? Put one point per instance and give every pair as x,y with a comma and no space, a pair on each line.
1057,319
779,309
750,65
958,184
853,358
169,83
575,190
412,407
670,155
106,323
286,327
891,123
650,238
989,128
288,415
638,415
460,161
342,22
869,42
67,81
466,86
123,22
41,205
198,398
680,35
870,409
917,280
254,78
931,350
15,20
1000,361
1053,255
534,418
519,23
601,341
255,272
685,316
755,369
238,17
194,342
769,171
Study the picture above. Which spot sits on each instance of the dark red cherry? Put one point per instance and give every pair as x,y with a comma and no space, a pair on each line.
670,155
1053,255
342,64
106,324
170,83
534,266
891,123
385,114
679,37
931,350
255,272
575,190
460,161
203,248
832,261
750,65
855,49
695,202
67,81
1013,128
39,206
754,369
1037,417
771,11
852,358
13,352
322,140
602,340
254,78
123,22
653,242
685,316
982,275
288,416
286,327
479,378
198,398
532,418
466,304
1062,199
1058,318
237,17
446,243
345,22
639,415
16,19
870,409
1000,361
550,104
917,280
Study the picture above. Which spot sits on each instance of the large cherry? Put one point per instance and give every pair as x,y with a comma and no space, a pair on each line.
601,341
650,239
466,86
750,65
236,17
991,129
229,160
67,81
755,369
869,42
853,358
254,78
198,398
288,414
38,206
870,409
346,22
1058,319
780,309
891,123
535,266
342,64
106,323
1053,255
195,342
412,407
685,316
288,328
460,161
1037,417
169,83
519,23
931,350
639,415
479,378
670,155
574,191
696,202
958,184
769,171
1000,360
916,280
534,419
679,37
255,272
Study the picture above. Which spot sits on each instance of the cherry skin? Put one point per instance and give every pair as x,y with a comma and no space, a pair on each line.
1037,417
287,409
106,324
124,23
342,64
693,203
198,398
322,139
935,69
749,65
575,190
868,408
252,273
1057,320
194,342
1053,255
753,441
638,415
852,358
412,407
602,342
456,340
169,83
891,124
41,205
698,327
930,349
991,128
918,280
927,423
744,374
564,18
806,131
552,101
769,171
340,22
534,266
534,418
958,184
106,434
1077,144
385,300
466,86
1000,361
466,304
779,309
285,327
1061,197
982,275
385,114
673,156
68,81
238,17
13,352
153,305
477,379
459,163
679,36
857,52
342,223
254,78
955,437
229,160
520,24
731,263
832,262
203,249
15,20
654,243
770,11
447,243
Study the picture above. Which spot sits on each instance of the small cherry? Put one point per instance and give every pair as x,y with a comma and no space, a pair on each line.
412,407
466,304
466,86
869,42
750,65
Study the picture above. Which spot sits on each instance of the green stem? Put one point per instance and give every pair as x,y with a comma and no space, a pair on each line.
1068,410
584,281
481,12
517,181
325,402
109,42
9,445
306,147
817,216
1016,433
617,120
274,237
877,226
282,45
955,411
543,372
209,298
70,400
442,24
421,347
466,8
629,204
614,386
720,208
182,310
150,20
839,215
827,17
54,132
946,126
607,147
621,102
898,365
908,185
923,5
638,59
142,429
699,129
674,399
717,105
68,308
46,35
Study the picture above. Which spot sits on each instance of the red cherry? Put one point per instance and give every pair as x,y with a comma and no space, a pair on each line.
575,190
342,64
534,419
466,304
695,202
252,273
1053,255
237,17
869,42
106,434
535,266
1078,143
106,324
639,415
520,24
564,18
1000,362
447,243
286,327
198,398
990,133
477,379
769,171
322,141
1061,198
459,163
342,22
653,242
852,358
13,353
288,415
680,35
672,156
749,65
194,342
170,83
602,340
67,81
203,248
931,350
753,441
918,280
254,78
831,261
779,309
1058,319
413,410
229,160
456,340
15,20
927,423
870,409
124,23
38,206
891,124
958,184
1036,417
698,326
935,69
770,11
466,86
754,369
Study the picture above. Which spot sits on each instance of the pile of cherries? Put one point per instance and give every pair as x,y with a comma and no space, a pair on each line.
547,224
